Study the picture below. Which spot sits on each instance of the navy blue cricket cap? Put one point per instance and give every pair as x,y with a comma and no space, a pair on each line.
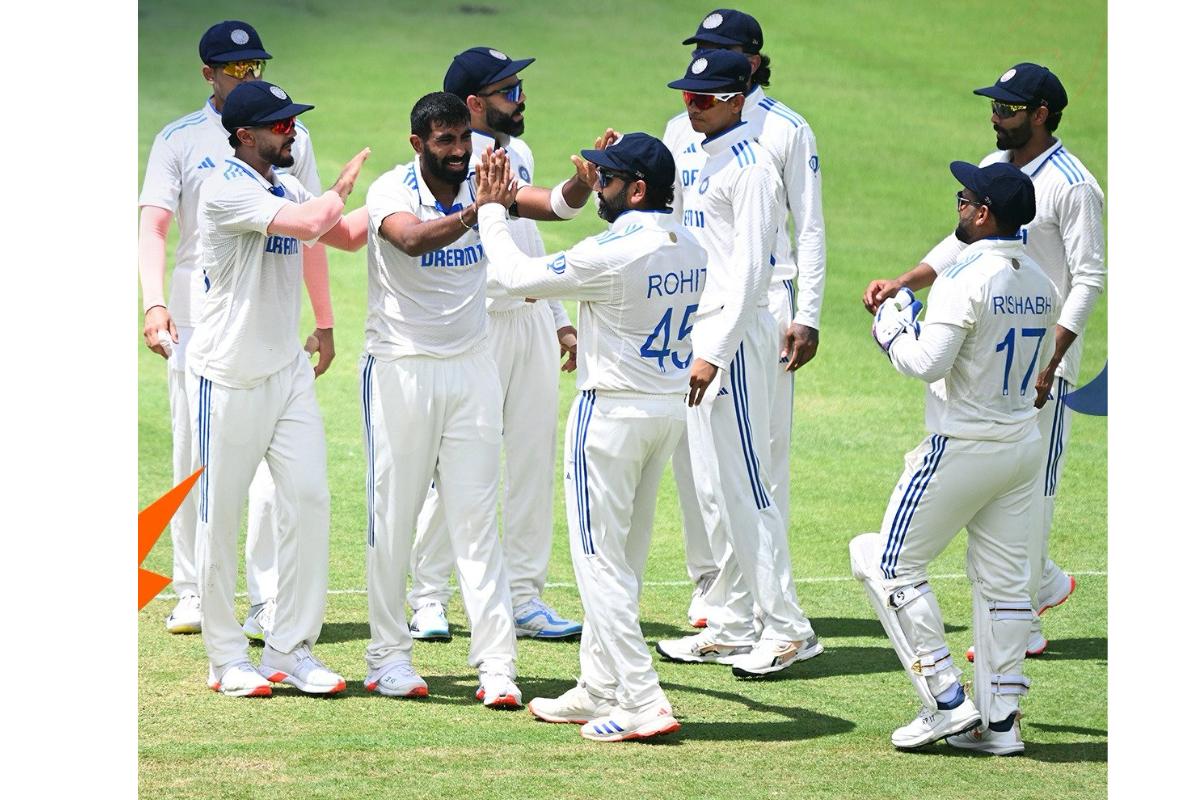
256,103
231,40
1003,188
728,26
637,153
1027,83
715,71
473,69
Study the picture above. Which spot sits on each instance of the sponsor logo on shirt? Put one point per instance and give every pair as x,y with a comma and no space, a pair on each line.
693,218
284,245
453,257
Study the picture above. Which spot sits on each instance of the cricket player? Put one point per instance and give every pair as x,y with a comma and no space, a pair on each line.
734,207
639,286
431,396
984,339
251,385
798,280
526,341
1067,239
184,154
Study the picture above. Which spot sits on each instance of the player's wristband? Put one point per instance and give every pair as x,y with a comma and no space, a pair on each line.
151,308
562,209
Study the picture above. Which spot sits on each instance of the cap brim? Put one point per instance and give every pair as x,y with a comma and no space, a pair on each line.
602,158
714,38
240,55
509,70
1001,94
690,84
967,174
293,110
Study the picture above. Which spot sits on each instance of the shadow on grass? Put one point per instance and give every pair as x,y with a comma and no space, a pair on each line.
858,626
1065,729
801,724
1089,648
1058,753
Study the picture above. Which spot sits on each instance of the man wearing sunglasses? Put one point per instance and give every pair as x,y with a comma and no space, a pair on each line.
527,339
1067,239
251,388
183,155
797,284
984,337
638,284
733,206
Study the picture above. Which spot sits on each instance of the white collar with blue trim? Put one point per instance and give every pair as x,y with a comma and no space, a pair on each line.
725,139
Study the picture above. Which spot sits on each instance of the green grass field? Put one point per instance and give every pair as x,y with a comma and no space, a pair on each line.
887,88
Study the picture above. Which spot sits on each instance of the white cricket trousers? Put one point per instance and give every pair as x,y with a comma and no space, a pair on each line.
616,448
235,429
262,579
1054,422
524,344
435,419
727,433
697,551
988,488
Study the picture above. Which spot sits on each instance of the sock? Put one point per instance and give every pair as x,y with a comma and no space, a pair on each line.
1005,724
951,698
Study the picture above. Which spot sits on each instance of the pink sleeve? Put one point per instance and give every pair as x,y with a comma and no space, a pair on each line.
152,254
316,279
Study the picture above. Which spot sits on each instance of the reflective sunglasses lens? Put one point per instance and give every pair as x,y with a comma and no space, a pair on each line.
240,69
284,126
702,102
514,92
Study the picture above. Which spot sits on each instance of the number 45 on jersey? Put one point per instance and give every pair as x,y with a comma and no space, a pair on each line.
651,350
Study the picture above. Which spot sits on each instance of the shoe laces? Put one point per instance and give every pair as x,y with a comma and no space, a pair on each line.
432,604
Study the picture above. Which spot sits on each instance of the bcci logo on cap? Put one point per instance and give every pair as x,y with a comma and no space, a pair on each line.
498,54
699,65
1008,75
280,93
712,21
239,36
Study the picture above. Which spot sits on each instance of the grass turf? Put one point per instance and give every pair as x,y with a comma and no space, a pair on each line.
887,90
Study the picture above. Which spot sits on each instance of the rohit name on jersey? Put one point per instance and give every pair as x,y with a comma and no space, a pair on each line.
680,282
453,256
1021,304
283,245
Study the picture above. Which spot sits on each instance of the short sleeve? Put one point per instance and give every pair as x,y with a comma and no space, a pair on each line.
387,196
243,205
163,183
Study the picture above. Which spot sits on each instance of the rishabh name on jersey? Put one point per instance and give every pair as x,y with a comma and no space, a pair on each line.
1064,189
639,286
786,136
249,326
524,231
431,304
184,154
737,173
1008,307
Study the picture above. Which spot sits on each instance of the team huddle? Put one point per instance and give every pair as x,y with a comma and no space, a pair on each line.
695,308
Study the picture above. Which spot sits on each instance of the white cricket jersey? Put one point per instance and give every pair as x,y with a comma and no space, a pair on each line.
639,286
247,329
426,305
1007,305
799,254
1066,238
184,154
732,206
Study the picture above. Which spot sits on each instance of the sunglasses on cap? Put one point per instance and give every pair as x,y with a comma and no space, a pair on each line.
703,102
240,69
605,176
510,93
1006,110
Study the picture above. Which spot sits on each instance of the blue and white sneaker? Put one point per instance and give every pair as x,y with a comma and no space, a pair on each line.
429,623
536,620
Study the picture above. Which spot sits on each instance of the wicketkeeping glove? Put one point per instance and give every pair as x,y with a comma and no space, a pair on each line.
895,316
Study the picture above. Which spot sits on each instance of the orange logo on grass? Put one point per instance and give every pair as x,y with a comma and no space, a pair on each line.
152,520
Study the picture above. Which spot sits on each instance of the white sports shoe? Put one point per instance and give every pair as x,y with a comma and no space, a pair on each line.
621,725
185,616
429,623
258,623
699,648
1057,594
933,724
985,740
497,690
534,619
575,706
300,668
699,609
397,679
772,655
1036,646
238,680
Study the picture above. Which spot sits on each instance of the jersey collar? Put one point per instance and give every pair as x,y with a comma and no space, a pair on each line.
1033,167
1007,245
213,115
273,186
465,196
725,139
630,215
